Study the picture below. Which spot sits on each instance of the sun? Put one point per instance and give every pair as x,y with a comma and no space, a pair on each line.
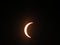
25,29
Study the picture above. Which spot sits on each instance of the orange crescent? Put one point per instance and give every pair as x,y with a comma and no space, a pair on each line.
25,29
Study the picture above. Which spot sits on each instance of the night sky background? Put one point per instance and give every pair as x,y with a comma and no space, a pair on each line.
16,14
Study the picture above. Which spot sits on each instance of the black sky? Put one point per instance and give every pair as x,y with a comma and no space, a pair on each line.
17,13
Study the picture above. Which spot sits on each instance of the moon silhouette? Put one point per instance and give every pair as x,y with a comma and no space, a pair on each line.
25,29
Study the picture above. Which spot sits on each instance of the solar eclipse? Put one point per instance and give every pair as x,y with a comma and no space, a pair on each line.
25,29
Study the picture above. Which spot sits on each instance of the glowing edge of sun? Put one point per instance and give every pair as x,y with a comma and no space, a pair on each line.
25,29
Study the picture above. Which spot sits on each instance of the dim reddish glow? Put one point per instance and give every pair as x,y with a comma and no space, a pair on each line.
25,29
